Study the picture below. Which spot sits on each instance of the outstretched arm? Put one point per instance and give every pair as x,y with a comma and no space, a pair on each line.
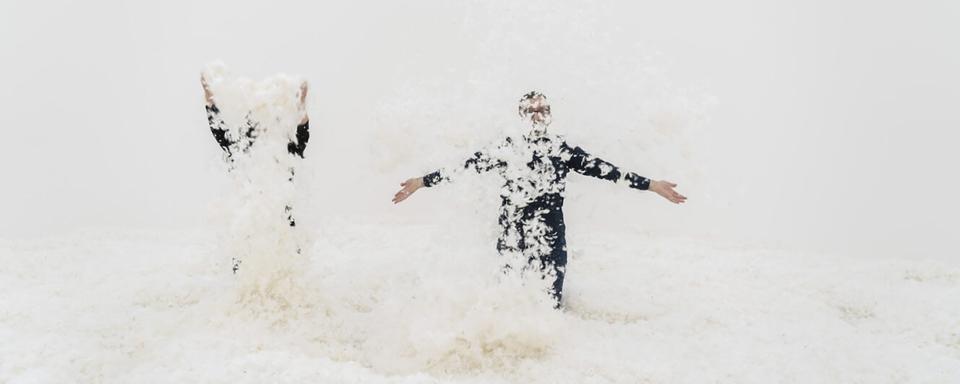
582,162
480,162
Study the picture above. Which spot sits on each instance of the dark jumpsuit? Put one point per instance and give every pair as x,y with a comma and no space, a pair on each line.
220,134
531,211
231,147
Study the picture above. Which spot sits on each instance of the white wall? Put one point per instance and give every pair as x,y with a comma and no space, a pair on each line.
829,124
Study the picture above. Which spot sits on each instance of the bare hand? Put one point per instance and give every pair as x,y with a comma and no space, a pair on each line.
409,187
303,92
303,102
666,189
206,90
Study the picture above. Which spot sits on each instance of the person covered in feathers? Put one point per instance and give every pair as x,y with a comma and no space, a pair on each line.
534,169
237,144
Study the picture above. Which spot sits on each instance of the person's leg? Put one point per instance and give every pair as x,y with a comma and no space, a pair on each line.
554,264
556,269
296,148
509,242
543,243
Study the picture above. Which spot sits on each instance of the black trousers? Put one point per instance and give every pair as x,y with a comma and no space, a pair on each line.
545,247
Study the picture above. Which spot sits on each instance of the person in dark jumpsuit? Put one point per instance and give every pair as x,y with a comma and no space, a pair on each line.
235,146
534,169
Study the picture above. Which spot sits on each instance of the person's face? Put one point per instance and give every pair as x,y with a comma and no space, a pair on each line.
537,111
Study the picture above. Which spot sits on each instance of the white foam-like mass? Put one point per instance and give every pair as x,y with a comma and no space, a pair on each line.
384,301
260,118
378,299
391,315
380,305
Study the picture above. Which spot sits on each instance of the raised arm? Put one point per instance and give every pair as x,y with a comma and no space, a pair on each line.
299,142
217,126
583,163
480,162
207,94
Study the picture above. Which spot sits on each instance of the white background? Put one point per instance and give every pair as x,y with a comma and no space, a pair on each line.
827,124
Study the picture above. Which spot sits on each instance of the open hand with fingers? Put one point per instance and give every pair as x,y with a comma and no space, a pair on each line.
666,189
409,187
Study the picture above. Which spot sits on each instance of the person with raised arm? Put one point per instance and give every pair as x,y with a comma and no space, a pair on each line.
235,142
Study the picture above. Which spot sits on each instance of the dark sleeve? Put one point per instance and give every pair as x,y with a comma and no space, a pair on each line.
583,163
217,127
432,178
480,162
303,135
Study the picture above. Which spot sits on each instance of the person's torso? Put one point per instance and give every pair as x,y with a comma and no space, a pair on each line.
534,171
